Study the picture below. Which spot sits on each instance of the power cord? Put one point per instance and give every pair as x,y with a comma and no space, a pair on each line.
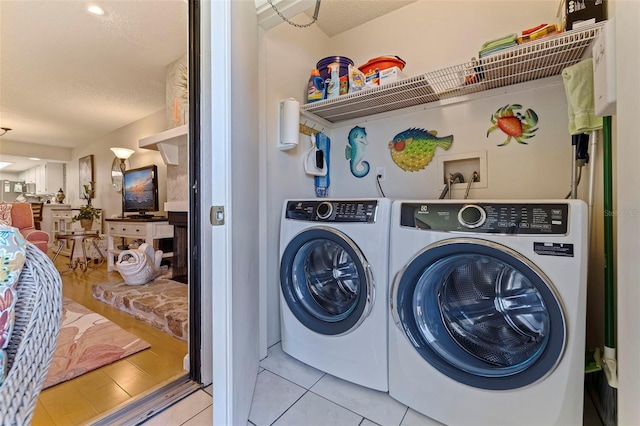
378,176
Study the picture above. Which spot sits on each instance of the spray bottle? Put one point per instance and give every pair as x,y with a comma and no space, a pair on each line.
333,84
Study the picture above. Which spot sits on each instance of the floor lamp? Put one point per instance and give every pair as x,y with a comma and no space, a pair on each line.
118,167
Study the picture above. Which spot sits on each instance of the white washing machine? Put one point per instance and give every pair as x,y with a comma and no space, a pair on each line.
333,287
488,302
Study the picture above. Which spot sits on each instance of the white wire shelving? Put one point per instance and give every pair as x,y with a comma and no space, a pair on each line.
526,62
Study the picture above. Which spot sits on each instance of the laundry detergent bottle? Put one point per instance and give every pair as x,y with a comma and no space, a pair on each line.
315,89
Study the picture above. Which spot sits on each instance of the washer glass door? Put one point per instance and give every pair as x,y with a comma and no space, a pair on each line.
326,281
480,313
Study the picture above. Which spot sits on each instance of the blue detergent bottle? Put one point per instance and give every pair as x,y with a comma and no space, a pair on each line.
315,89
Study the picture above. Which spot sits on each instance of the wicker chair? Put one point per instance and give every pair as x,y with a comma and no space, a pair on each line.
38,317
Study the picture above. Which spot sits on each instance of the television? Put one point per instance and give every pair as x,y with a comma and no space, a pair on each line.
140,191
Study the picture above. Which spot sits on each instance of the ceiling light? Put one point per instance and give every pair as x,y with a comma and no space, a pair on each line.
96,10
4,164
34,159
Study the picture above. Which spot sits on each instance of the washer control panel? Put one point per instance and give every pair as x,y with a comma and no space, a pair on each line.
333,211
503,218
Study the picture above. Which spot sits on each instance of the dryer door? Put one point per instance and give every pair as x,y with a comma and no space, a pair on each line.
480,313
326,281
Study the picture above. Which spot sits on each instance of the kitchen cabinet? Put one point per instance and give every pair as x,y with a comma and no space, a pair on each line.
48,177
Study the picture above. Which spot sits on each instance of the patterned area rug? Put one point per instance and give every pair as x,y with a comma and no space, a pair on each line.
161,303
88,341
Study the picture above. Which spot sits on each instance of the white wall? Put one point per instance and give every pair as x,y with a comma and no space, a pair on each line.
540,169
428,35
125,137
284,78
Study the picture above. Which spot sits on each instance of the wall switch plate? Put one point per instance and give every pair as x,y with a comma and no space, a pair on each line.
380,171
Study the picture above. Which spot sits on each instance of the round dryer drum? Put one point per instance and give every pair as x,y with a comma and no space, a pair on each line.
326,281
480,313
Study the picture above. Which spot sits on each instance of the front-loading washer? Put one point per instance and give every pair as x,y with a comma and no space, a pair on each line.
488,302
333,286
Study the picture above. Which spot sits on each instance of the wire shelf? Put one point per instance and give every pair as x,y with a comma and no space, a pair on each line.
526,62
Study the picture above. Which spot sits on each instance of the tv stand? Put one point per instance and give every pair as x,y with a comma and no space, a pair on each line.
144,218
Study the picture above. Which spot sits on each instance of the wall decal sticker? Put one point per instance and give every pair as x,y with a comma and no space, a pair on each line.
516,126
413,148
355,150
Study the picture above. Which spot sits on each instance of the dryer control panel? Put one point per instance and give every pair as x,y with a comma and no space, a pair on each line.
333,211
507,218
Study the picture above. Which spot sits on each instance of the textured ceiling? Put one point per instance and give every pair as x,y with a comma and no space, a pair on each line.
69,77
337,16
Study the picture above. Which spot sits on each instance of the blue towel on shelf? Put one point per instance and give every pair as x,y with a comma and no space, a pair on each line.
322,182
578,85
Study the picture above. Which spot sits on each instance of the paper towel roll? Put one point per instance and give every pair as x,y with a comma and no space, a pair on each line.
289,124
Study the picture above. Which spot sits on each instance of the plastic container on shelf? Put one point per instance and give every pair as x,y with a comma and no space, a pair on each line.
342,61
382,63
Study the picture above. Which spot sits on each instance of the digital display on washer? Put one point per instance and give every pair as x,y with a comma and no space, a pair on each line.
503,218
333,211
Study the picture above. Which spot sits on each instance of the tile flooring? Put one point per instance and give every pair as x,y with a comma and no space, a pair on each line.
290,393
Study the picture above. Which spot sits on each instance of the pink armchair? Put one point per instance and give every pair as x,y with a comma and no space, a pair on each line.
22,218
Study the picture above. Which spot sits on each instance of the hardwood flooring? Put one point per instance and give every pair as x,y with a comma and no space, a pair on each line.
91,395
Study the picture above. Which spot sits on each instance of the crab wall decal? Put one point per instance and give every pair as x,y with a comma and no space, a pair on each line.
514,125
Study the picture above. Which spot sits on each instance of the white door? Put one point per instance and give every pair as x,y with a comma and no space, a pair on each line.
229,178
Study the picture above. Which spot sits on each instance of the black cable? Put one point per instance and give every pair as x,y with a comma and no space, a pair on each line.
379,186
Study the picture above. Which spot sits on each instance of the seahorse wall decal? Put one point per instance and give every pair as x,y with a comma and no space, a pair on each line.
354,152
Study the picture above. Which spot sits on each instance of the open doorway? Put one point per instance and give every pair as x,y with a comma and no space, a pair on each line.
172,377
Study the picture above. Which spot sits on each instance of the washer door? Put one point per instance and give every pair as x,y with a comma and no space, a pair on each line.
480,313
326,281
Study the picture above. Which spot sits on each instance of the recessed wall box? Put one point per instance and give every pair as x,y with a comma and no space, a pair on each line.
465,163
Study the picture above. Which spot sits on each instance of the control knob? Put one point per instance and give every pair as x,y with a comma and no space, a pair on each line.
324,210
471,216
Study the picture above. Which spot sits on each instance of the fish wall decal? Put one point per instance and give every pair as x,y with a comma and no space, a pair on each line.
414,148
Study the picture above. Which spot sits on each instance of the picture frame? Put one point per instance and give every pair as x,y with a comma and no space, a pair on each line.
85,173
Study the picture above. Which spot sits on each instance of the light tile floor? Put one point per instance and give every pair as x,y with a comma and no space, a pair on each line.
290,393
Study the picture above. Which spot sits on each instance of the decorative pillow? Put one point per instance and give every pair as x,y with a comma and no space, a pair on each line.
12,258
5,214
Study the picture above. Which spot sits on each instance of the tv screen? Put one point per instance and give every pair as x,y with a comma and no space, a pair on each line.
140,190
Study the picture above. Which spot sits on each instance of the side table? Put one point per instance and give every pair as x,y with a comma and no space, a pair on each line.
72,236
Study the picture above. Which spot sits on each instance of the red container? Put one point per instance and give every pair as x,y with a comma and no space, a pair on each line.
382,63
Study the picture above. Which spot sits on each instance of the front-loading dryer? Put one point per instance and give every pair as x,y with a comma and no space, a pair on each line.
488,302
333,287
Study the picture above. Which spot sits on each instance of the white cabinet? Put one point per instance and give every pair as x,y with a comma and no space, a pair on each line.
62,223
48,177
136,229
51,178
49,219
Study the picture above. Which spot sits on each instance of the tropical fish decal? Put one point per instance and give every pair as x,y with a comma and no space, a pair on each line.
516,126
414,148
355,152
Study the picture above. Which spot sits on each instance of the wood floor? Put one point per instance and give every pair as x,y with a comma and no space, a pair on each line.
91,395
